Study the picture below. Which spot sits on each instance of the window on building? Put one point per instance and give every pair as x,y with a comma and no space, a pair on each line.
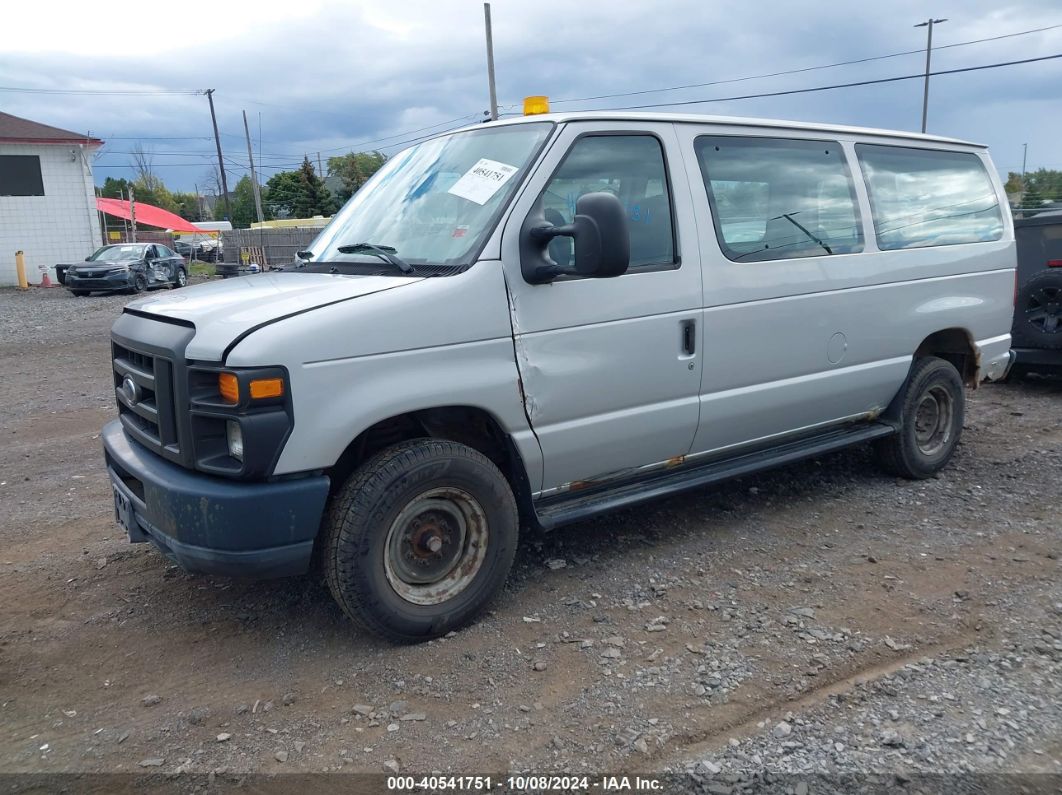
20,175
778,198
632,168
927,197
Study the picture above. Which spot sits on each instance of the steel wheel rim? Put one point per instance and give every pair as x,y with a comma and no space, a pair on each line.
436,546
933,416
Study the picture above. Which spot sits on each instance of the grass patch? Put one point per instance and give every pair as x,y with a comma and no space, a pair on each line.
198,268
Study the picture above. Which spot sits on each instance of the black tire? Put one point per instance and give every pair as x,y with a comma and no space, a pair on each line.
180,279
932,411
1038,314
79,293
397,517
139,283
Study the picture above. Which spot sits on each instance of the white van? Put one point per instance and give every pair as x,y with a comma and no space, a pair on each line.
537,320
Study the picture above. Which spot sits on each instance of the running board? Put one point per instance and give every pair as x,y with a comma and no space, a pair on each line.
574,506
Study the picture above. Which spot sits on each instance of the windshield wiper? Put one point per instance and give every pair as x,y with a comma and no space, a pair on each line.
386,253
804,229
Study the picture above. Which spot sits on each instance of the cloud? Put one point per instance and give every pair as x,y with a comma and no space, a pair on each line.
326,76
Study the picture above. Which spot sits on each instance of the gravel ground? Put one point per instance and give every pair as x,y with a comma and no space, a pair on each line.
816,628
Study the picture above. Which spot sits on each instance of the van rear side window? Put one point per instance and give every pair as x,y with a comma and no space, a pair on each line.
926,197
779,198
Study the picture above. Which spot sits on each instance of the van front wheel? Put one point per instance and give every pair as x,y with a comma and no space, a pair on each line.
420,539
931,419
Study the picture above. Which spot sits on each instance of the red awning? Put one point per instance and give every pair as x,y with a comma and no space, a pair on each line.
146,214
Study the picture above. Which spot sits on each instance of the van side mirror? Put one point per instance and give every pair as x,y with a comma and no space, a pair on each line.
602,241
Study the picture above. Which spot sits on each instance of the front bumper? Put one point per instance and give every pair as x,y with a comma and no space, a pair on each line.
213,525
117,280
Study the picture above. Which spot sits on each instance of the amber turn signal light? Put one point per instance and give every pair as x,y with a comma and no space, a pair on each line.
229,387
267,388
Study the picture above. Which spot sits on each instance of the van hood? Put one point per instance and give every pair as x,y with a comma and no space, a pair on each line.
225,310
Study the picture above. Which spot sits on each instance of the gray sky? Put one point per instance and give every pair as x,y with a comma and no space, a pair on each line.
331,76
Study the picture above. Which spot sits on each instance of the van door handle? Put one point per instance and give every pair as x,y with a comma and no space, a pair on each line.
689,337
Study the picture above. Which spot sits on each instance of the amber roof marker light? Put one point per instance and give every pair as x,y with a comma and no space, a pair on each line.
534,106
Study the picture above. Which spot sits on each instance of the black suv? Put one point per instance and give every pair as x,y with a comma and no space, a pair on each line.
1036,336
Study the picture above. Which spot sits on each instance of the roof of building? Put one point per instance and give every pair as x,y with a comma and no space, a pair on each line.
724,121
14,129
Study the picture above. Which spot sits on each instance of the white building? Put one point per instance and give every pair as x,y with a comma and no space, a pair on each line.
47,200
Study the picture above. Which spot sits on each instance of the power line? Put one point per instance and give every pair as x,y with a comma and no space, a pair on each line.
417,139
278,166
154,165
105,92
351,146
802,70
167,153
158,137
281,166
877,81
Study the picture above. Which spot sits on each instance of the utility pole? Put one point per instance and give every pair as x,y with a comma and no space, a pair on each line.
928,24
132,213
221,160
1024,155
490,64
254,175
320,168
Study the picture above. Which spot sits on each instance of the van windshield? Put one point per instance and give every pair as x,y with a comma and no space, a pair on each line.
435,203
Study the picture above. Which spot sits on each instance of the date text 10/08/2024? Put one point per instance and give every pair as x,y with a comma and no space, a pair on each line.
524,783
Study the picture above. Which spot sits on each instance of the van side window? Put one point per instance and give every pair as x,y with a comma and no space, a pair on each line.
926,197
778,198
632,168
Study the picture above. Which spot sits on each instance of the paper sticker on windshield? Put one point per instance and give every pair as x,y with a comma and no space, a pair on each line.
483,180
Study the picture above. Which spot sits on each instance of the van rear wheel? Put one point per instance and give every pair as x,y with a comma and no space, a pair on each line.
931,419
420,539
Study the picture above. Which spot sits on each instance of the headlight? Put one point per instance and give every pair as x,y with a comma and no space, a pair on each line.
240,417
234,435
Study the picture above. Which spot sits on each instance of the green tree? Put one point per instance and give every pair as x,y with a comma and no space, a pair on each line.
298,194
115,188
1044,183
281,193
1033,197
241,199
354,169
316,199
188,206
153,192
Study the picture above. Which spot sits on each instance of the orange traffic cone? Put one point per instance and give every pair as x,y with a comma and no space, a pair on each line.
45,281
